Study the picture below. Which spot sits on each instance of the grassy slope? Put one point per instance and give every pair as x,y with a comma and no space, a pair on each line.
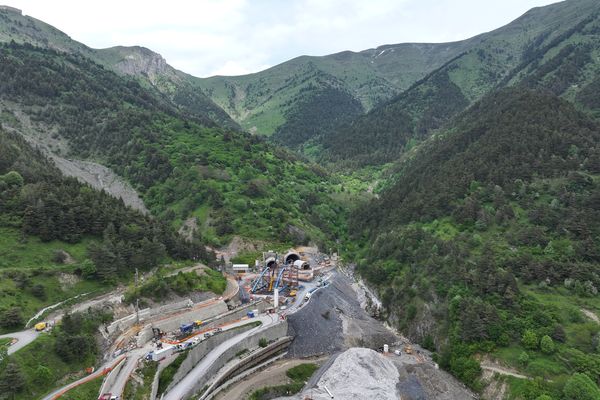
36,354
506,56
34,259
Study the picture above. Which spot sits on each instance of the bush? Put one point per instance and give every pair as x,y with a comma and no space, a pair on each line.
547,345
523,358
529,340
302,372
263,342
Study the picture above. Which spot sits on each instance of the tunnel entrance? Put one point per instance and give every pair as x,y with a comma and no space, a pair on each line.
291,258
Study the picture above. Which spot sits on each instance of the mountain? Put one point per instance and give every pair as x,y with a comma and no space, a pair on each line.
286,100
147,66
549,48
222,182
486,237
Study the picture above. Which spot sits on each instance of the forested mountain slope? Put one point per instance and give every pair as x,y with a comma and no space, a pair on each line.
272,101
52,226
484,220
150,68
552,48
234,183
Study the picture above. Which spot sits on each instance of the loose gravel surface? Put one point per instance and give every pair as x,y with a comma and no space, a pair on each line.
334,321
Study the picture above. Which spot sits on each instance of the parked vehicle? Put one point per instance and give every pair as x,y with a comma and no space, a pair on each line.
40,326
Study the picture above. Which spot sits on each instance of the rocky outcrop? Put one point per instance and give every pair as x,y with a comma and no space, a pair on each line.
140,61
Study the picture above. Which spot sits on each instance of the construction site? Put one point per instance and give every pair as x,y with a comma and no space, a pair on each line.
291,308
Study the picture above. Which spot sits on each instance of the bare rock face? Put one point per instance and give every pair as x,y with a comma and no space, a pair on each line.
138,61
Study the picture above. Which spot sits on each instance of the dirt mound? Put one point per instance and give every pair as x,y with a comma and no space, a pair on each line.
359,374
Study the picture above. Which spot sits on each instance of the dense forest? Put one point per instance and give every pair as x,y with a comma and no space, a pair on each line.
36,199
506,199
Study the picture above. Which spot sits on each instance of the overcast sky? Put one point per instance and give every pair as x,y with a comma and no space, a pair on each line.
233,37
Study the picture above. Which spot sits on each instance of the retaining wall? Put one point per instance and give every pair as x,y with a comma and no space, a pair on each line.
198,352
272,332
238,368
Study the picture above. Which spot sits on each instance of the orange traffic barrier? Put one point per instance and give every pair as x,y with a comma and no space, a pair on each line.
89,378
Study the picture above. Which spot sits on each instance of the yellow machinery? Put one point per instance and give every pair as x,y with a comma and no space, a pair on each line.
40,326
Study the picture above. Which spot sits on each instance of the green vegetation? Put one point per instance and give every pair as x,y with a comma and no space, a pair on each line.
160,287
302,372
53,359
298,375
555,55
232,183
166,375
134,390
87,391
468,222
57,236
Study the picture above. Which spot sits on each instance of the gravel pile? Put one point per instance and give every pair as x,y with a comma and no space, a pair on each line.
356,374
333,321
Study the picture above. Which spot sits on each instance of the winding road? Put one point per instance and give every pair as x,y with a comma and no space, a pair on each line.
184,388
23,339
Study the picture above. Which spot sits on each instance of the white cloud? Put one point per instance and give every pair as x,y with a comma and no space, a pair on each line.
207,37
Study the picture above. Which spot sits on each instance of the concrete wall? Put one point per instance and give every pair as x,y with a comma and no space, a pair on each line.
240,367
219,316
272,332
202,349
173,324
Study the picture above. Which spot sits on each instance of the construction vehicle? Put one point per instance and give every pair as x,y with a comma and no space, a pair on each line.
293,293
186,328
408,349
197,323
40,326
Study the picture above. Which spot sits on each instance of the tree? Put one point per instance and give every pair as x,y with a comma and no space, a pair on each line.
529,339
544,397
547,345
88,269
581,387
11,380
11,318
39,291
12,178
523,358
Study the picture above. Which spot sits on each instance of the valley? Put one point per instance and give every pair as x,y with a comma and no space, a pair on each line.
414,221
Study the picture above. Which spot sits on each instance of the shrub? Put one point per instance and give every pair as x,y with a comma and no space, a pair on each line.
523,358
547,345
263,342
529,339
